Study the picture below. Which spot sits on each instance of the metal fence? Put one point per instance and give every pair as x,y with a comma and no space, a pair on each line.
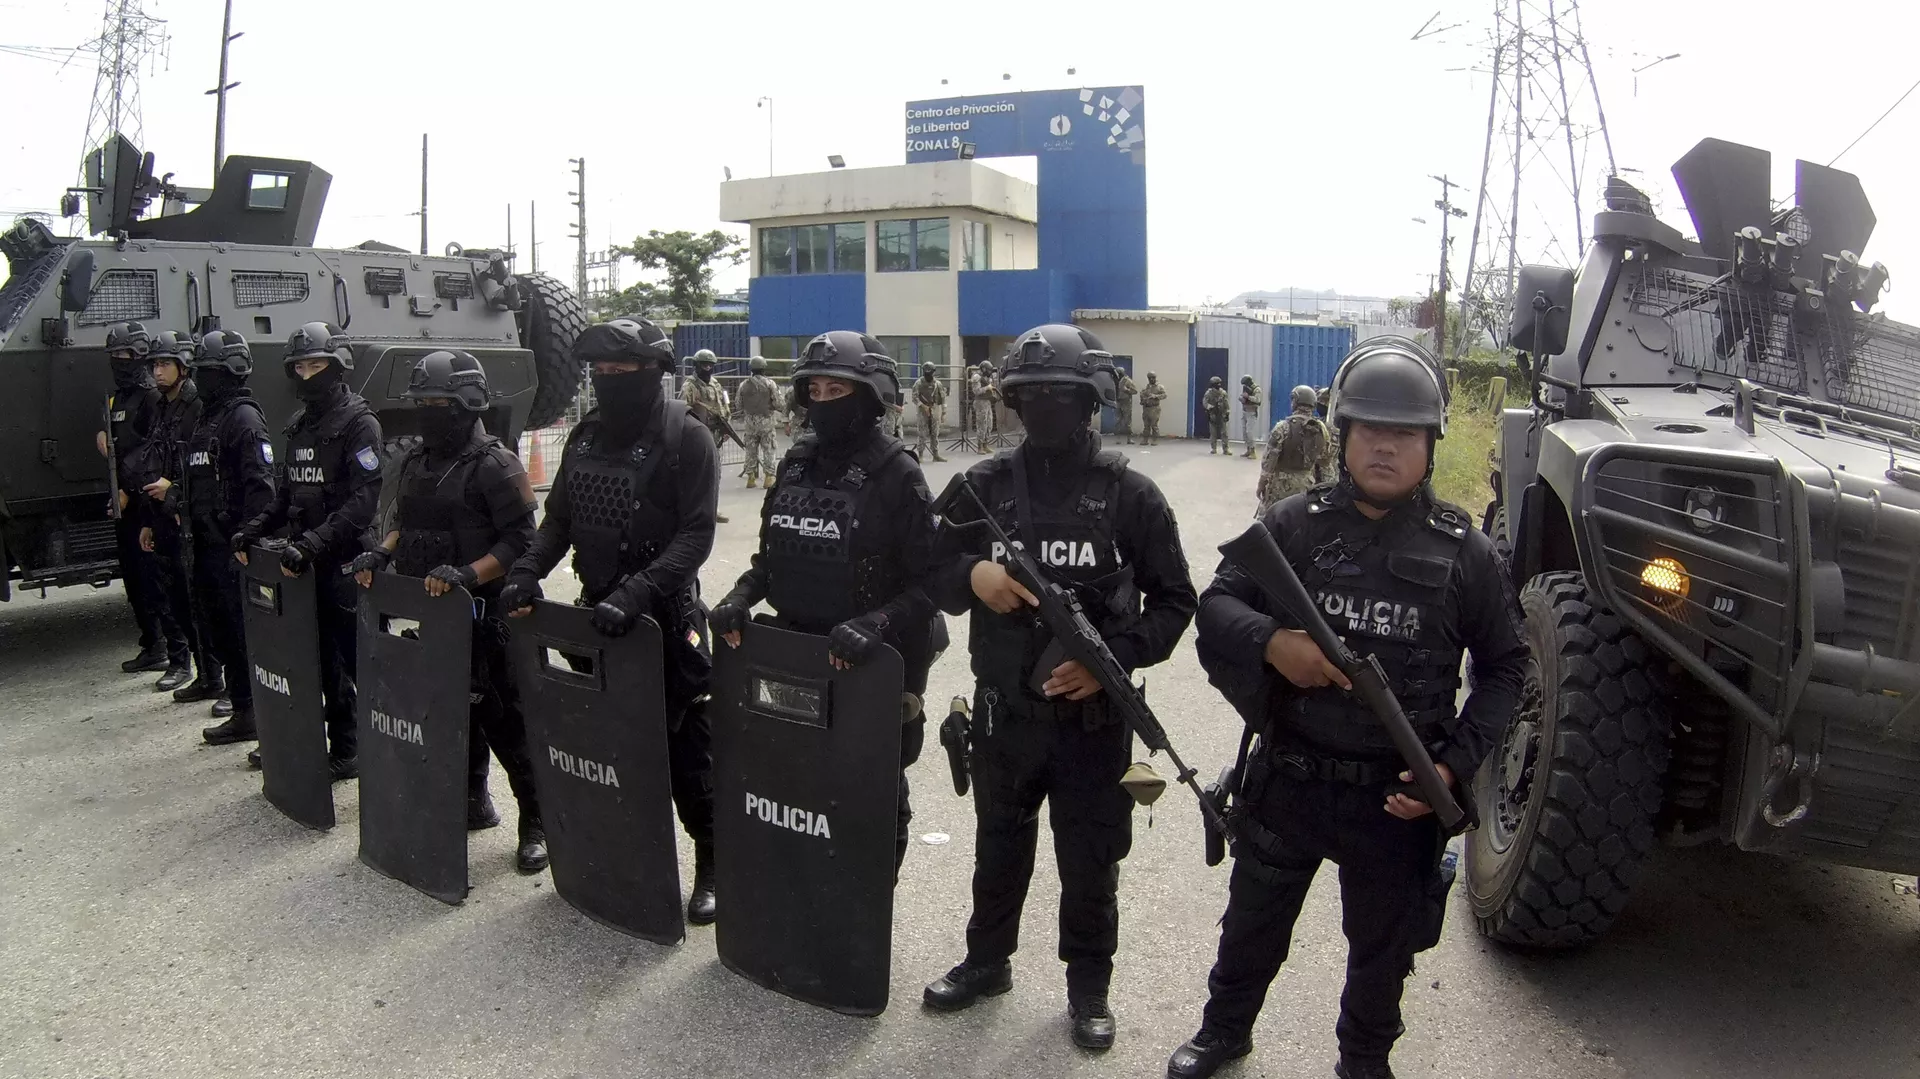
984,429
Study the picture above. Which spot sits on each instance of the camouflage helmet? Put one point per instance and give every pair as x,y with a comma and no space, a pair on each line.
225,349
319,341
854,356
1304,397
757,365
624,340
705,356
1246,380
1216,381
129,337
450,373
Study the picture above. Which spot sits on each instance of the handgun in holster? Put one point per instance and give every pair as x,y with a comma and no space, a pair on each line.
956,735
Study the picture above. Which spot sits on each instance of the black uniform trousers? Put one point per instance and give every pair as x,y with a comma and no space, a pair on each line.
218,610
1386,865
497,721
1023,754
339,655
171,581
137,577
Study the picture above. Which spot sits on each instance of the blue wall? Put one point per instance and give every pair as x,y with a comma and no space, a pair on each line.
724,339
1306,356
807,304
1010,302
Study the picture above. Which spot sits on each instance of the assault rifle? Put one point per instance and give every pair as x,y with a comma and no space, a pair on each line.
716,421
113,463
1259,557
1076,639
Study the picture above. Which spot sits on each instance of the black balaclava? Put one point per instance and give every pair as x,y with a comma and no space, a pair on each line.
704,370
131,374
447,429
218,383
844,421
322,388
626,402
1059,443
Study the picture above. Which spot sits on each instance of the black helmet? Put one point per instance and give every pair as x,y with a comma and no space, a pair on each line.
129,337
1392,382
451,373
171,345
225,349
1060,353
846,354
629,340
757,365
319,341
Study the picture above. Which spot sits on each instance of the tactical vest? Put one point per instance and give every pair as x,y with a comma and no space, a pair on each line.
1292,454
1385,593
616,529
435,515
822,569
210,502
1073,543
319,460
756,396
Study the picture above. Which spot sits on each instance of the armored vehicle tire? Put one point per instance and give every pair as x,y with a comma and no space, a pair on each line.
552,319
1568,801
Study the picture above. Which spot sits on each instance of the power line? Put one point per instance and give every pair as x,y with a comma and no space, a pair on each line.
1876,123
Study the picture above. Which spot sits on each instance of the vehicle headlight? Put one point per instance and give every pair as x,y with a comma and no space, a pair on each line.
1706,509
1667,579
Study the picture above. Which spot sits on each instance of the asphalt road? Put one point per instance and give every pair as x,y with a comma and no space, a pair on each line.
158,919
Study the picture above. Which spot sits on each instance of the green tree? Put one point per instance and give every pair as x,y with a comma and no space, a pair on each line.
645,299
688,260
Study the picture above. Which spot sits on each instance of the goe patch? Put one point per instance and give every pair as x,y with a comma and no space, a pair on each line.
368,459
266,452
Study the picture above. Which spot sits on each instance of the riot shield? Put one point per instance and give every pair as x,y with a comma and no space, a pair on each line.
806,781
283,657
596,727
414,679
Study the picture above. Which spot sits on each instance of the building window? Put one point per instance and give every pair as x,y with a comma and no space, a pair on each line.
780,348
911,353
850,247
814,249
916,244
976,246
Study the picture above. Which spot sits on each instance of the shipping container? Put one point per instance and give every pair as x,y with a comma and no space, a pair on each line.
1306,356
1249,346
726,340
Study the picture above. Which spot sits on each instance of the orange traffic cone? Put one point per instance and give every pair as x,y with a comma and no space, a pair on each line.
537,461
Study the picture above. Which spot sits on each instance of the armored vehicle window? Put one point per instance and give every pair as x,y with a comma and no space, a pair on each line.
267,190
123,296
261,288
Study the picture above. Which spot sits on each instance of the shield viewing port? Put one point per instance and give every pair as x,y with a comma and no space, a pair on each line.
804,701
264,595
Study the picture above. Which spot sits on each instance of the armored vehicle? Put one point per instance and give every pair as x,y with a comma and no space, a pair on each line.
238,256
1711,508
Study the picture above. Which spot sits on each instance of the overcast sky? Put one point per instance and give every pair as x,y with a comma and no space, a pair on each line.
1287,143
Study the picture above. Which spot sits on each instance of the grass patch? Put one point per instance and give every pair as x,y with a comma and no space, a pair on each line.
1464,456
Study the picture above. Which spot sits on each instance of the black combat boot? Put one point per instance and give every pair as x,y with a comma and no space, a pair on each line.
532,855
1354,1068
253,758
239,728
173,679
966,983
343,768
702,905
1204,1053
1092,1021
152,657
222,706
480,812
207,687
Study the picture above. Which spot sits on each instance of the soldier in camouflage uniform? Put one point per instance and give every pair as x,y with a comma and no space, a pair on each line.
984,394
759,399
1123,406
707,398
931,395
1150,397
1249,413
1215,402
1299,452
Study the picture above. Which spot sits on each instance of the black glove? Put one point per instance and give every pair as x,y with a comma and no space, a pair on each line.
376,560
519,594
858,639
242,542
615,615
729,617
295,559
454,576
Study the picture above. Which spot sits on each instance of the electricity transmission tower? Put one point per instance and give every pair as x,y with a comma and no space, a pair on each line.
128,36
1546,160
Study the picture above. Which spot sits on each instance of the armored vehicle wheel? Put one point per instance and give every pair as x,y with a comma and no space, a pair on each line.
552,319
1568,801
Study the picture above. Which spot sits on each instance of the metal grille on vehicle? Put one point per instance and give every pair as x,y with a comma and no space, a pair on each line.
1723,328
1883,594
453,286
386,281
261,288
123,296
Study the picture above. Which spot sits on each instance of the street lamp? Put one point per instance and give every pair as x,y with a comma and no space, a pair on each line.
767,104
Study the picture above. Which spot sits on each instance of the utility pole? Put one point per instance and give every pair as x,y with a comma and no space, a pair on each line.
219,91
423,193
767,104
509,230
1448,211
533,235
580,229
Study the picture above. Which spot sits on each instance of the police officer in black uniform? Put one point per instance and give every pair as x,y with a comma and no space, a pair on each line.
1105,530
160,466
462,514
329,489
868,588
127,422
635,501
1406,577
229,481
